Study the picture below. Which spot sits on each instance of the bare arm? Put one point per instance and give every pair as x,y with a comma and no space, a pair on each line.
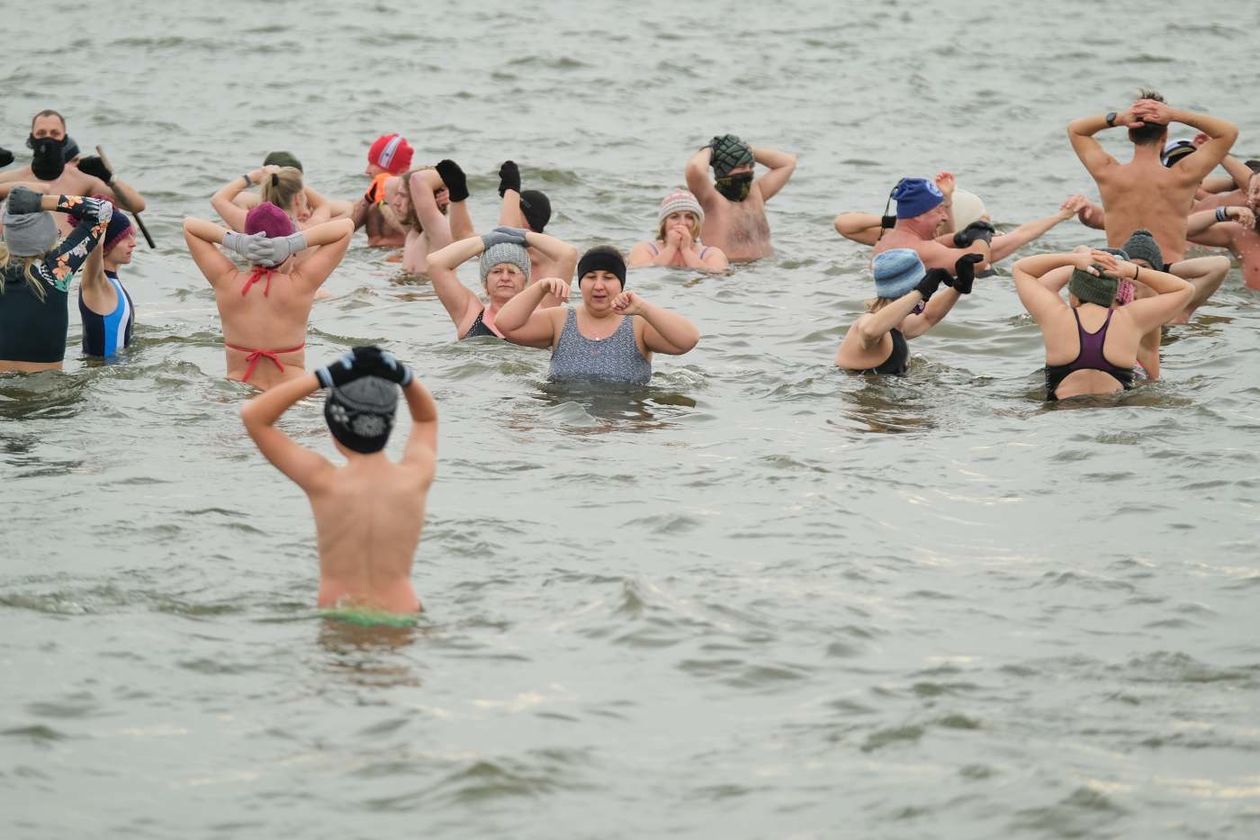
1239,172
1040,302
460,303
202,236
938,306
664,331
521,324
697,176
335,236
1007,243
510,210
421,448
1206,229
1092,216
1081,135
556,250
127,195
1221,136
307,469
781,165
873,326
859,227
1172,294
223,201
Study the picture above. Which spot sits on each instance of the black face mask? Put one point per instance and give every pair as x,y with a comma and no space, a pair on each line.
734,187
48,160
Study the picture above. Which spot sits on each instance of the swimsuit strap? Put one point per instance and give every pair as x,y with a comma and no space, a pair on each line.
257,274
253,357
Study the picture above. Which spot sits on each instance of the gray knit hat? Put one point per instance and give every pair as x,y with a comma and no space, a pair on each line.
504,252
1142,246
29,234
1093,288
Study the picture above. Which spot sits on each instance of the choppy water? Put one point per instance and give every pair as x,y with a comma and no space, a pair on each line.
758,599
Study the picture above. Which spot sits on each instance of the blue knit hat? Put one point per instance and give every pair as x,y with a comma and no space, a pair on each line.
916,196
897,272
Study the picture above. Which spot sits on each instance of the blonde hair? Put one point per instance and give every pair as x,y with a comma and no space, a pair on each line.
282,187
28,271
875,304
695,226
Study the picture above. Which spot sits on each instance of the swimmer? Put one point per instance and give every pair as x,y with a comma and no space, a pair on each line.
265,311
598,340
431,204
369,513
389,156
678,238
906,305
734,202
1234,228
1146,194
319,207
1092,346
279,185
50,173
531,210
35,274
505,268
921,209
105,307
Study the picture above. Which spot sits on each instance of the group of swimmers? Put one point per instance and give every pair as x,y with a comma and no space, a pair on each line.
290,238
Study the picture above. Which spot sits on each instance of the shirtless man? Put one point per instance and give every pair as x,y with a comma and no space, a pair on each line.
531,210
265,310
369,513
431,204
389,155
1144,193
1235,228
921,209
48,172
734,203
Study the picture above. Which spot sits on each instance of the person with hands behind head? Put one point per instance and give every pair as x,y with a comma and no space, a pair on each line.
1092,346
105,307
265,310
421,200
677,242
531,210
35,274
505,269
906,305
734,202
609,337
369,513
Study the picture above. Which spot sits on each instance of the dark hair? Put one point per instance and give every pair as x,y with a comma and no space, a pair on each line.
48,112
1151,132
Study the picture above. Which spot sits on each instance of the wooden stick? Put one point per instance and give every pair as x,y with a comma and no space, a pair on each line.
122,202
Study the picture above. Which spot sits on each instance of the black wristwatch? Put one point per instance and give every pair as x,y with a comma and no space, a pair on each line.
1111,119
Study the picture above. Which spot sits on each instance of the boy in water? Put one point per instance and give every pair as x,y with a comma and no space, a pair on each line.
370,512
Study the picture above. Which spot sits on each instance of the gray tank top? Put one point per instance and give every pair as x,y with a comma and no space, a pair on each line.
613,359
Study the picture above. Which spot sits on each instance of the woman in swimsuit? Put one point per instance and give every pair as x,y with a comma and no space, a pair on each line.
1091,345
265,310
597,340
104,305
876,342
678,238
35,273
505,271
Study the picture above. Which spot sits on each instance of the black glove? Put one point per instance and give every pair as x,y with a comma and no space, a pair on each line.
6,157
931,282
454,178
509,177
964,273
373,361
94,166
979,229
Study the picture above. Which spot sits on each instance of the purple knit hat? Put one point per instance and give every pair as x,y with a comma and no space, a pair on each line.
269,219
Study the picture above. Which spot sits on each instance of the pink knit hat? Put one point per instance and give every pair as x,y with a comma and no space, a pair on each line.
680,200
269,219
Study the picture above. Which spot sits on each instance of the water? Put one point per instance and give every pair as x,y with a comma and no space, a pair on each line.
757,599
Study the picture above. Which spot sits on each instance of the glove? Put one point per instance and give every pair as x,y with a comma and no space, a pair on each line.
454,178
372,361
976,230
239,243
271,252
338,373
964,273
94,166
931,282
6,157
499,235
509,177
24,200
99,209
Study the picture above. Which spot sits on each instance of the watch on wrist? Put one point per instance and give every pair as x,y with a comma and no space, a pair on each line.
1111,119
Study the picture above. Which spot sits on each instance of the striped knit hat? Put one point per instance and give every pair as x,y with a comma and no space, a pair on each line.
392,153
680,201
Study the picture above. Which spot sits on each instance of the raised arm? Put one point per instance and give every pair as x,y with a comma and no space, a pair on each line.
1221,136
556,250
334,236
456,183
223,201
72,252
421,451
1040,302
697,176
521,324
308,469
202,236
1005,244
664,331
1081,135
873,326
1172,294
859,227
460,303
128,197
781,165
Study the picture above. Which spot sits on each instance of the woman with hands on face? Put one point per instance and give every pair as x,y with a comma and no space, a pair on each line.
609,336
505,272
678,238
905,306
1091,345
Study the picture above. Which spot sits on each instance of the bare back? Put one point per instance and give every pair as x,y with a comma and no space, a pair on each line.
271,316
1146,194
739,228
368,519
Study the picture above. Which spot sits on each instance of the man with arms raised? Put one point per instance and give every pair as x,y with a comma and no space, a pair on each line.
734,203
370,512
921,209
1144,193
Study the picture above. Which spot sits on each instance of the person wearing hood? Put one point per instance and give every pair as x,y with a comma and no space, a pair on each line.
734,201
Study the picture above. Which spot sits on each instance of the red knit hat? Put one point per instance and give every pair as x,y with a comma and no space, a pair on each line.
392,153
